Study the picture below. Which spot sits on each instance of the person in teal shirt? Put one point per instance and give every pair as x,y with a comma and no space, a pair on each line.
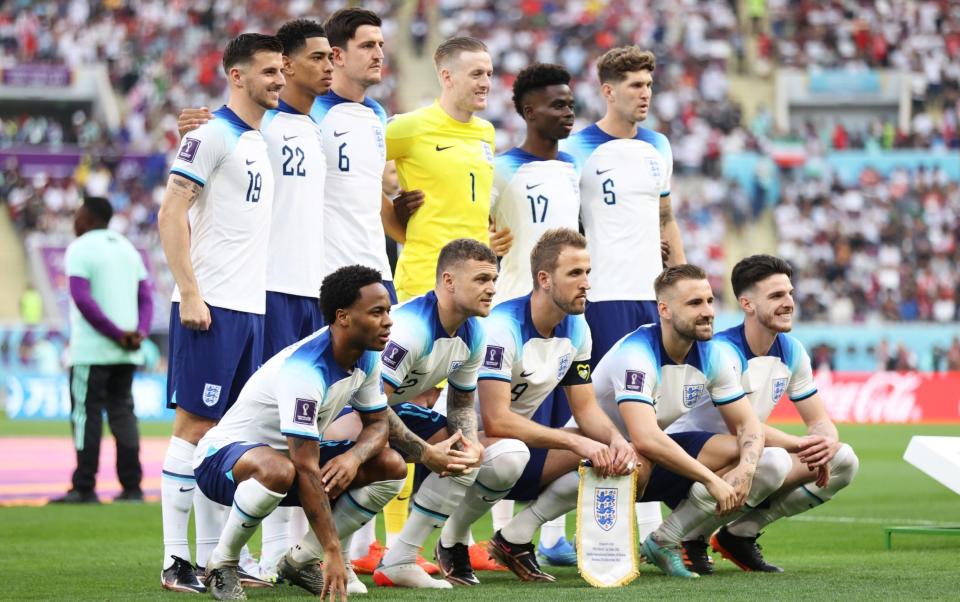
110,317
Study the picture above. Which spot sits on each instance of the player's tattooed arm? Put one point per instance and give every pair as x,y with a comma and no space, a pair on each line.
402,438
461,413
305,454
374,434
174,227
670,232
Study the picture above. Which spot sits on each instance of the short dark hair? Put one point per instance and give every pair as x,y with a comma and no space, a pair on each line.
669,277
99,209
342,25
294,34
616,63
341,289
537,77
242,48
460,250
454,46
546,252
753,269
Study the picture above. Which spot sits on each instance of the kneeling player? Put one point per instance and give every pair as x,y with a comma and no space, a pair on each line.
778,364
534,344
269,450
654,375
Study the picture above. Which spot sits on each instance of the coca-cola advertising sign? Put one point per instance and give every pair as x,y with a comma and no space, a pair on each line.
884,397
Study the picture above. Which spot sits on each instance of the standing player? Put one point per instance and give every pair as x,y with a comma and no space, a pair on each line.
270,449
625,205
214,225
536,188
778,364
657,373
535,343
446,152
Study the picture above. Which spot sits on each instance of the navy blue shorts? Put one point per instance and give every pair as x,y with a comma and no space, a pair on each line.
668,487
553,412
421,421
289,318
207,368
610,321
388,284
215,473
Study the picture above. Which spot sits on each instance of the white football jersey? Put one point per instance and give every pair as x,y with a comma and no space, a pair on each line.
355,147
621,183
297,393
420,354
295,254
530,195
784,369
230,220
534,366
637,369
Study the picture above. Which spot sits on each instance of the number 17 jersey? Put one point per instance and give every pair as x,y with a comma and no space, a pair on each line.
530,196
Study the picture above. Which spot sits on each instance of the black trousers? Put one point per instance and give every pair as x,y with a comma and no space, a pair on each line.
93,390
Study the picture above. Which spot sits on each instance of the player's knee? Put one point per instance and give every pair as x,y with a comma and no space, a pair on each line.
391,464
843,466
466,479
276,473
503,462
774,465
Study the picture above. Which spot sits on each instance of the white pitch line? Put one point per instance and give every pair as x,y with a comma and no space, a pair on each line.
868,521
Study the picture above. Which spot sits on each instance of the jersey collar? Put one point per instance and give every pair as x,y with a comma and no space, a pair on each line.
227,114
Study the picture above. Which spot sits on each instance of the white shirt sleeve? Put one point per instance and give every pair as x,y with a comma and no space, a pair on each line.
300,392
369,397
201,152
802,384
634,376
725,375
399,355
499,351
465,377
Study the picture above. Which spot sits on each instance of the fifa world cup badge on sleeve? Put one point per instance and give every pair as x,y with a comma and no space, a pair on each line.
606,529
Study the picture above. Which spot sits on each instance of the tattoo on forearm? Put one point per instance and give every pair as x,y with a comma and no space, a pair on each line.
191,187
403,439
749,447
461,414
666,214
372,438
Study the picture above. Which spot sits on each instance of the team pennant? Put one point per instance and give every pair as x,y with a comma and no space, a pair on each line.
607,529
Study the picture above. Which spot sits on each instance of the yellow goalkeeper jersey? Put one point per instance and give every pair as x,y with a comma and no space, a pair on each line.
452,163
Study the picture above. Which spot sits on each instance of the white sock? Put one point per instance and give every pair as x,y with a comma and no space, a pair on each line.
698,511
298,525
843,467
649,517
552,531
501,513
177,485
251,504
503,463
363,538
432,505
208,519
353,509
276,538
556,499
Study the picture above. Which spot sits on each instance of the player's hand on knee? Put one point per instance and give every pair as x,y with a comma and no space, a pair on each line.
470,453
823,475
500,240
334,579
741,480
443,457
337,474
191,119
194,313
406,204
725,495
817,450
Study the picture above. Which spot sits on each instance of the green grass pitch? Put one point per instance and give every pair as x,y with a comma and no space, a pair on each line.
112,552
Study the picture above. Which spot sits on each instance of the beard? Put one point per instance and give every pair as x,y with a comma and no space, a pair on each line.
571,307
770,322
689,330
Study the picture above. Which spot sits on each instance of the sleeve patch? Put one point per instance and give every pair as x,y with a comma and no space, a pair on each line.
305,411
188,152
633,380
493,357
392,355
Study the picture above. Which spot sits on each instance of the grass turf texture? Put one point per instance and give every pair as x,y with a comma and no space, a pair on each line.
112,552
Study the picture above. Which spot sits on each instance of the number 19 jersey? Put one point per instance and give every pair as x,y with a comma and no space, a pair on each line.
230,220
530,196
621,182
